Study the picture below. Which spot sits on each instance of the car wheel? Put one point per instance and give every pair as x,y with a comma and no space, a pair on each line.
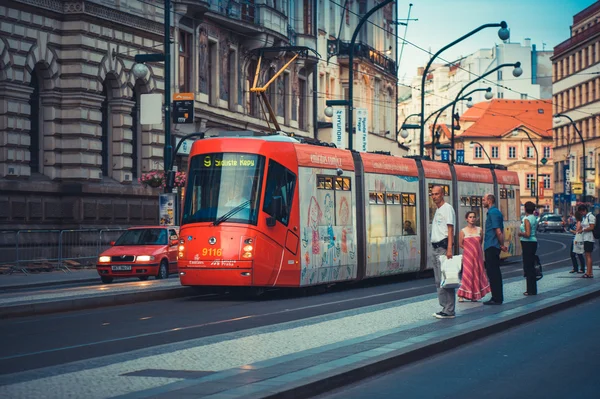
163,270
143,278
106,280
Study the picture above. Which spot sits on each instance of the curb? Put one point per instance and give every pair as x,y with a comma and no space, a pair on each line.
330,381
41,308
48,284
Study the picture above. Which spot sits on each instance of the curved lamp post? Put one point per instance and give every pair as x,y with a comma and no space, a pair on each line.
472,145
584,168
403,132
537,163
439,112
488,96
503,34
517,71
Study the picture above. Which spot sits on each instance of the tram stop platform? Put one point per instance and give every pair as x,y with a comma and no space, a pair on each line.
301,358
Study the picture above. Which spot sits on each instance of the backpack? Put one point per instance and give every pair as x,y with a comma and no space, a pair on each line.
596,230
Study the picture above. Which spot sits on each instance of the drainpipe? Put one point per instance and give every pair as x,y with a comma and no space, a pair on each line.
315,76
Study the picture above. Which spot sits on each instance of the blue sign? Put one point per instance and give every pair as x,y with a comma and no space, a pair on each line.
556,198
445,155
460,156
566,184
573,197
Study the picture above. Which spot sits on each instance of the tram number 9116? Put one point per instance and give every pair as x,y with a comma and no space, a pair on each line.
212,252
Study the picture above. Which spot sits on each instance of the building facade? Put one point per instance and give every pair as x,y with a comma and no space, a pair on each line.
576,94
513,133
445,81
73,146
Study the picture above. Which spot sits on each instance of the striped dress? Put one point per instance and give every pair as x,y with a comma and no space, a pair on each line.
474,283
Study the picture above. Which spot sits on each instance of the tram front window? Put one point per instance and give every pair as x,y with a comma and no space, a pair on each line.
223,187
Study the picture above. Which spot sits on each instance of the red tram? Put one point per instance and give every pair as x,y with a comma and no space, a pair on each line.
269,211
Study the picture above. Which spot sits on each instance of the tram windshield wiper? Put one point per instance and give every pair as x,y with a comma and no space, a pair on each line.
231,213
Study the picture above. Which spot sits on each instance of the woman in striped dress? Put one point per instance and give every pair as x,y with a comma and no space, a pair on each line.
474,284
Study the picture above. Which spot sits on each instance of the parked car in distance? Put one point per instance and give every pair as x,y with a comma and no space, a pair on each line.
141,252
550,222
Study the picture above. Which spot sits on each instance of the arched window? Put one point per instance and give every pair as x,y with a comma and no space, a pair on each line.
36,147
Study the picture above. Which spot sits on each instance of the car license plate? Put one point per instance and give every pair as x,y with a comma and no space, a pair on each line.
115,268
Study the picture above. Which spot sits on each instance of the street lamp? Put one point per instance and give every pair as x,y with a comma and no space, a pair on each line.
517,71
584,168
488,93
503,34
351,66
403,132
537,163
140,70
439,112
472,145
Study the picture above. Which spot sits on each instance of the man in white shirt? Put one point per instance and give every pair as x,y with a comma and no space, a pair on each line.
442,240
588,222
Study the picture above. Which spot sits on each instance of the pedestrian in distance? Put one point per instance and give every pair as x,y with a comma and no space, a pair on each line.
588,222
474,283
442,237
493,244
577,259
529,246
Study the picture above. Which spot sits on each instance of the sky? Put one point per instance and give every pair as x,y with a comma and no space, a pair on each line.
545,22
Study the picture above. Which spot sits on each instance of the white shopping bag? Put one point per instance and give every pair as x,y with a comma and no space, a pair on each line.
450,270
578,244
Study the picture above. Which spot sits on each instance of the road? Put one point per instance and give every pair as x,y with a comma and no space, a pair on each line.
552,357
35,342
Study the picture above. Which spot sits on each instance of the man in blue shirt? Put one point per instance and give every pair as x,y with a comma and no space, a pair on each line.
493,244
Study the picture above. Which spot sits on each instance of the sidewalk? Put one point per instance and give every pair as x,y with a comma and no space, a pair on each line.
300,358
18,280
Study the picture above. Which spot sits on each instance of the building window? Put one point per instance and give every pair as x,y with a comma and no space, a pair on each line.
530,180
213,67
547,152
478,152
495,152
233,78
512,152
308,17
529,152
546,180
499,75
302,94
500,94
185,57
523,96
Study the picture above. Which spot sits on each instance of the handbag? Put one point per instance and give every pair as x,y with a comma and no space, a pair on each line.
538,268
578,244
450,271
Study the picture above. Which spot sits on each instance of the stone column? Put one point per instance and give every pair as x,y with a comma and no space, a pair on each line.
14,129
121,139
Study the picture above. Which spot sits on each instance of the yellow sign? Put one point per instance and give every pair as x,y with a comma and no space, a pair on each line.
577,188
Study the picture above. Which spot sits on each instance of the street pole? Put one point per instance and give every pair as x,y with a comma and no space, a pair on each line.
517,71
503,33
167,48
537,167
350,116
584,167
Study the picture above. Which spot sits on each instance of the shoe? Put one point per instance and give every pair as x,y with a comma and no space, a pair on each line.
492,302
528,294
461,299
573,271
588,276
580,272
442,315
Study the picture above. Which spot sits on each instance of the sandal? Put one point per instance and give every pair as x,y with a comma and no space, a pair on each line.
461,299
580,272
587,276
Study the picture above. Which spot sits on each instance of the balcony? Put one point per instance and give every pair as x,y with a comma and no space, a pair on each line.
246,17
570,43
367,52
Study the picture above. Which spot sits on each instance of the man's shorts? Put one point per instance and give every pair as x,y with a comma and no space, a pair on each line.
588,246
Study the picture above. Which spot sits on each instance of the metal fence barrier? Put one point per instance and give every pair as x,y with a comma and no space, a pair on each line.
47,250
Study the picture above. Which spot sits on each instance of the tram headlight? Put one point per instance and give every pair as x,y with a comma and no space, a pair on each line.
247,255
248,248
180,248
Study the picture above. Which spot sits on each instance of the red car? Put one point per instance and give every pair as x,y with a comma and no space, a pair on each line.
141,252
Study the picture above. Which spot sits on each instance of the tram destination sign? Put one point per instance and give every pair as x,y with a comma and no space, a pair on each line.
229,160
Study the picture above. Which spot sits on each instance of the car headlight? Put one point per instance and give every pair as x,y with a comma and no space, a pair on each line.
104,259
144,258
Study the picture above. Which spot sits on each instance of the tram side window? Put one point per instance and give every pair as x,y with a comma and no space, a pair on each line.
281,182
334,196
392,214
503,203
409,214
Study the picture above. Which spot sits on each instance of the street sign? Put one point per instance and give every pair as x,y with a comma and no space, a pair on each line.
183,108
557,198
445,155
460,156
577,188
543,161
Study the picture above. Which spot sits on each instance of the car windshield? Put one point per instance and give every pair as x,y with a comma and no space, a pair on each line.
143,237
554,219
223,187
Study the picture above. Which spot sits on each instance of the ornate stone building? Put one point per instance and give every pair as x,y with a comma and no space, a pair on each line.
71,144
